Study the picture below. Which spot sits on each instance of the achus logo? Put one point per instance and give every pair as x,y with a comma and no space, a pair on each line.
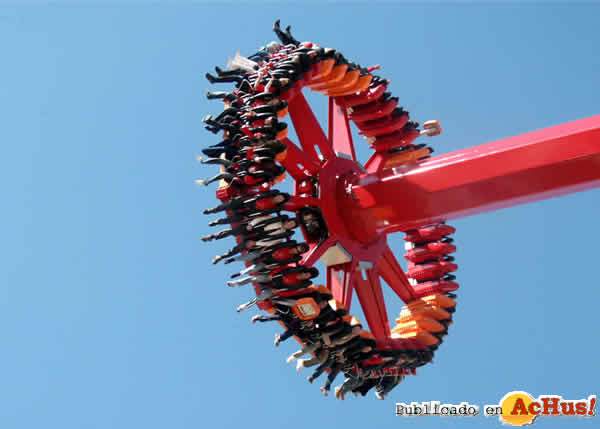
520,408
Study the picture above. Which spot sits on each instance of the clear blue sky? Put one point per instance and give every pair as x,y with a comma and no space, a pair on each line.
111,315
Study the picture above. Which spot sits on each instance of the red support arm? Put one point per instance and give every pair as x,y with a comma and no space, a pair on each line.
371,300
308,129
343,287
394,276
316,251
340,134
296,162
528,167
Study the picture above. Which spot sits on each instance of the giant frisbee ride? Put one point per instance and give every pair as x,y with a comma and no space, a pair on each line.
346,209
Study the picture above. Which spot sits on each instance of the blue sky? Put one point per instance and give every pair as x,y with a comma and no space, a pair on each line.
111,315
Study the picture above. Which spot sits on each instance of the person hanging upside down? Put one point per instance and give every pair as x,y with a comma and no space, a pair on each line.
351,383
386,385
296,277
279,257
255,223
251,245
264,201
285,36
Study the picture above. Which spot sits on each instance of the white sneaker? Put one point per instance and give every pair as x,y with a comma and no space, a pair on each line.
299,365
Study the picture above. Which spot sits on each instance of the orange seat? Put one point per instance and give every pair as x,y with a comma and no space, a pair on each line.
434,311
280,157
282,113
321,80
426,323
440,299
361,85
336,75
281,134
349,80
323,69
421,336
408,316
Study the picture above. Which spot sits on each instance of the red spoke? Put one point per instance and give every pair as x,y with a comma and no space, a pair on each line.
340,134
296,162
316,251
394,276
342,288
308,129
375,163
371,300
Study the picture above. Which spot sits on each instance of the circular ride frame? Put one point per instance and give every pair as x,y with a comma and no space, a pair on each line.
390,193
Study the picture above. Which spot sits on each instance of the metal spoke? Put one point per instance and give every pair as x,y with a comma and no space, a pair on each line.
371,300
317,250
308,129
340,134
343,287
394,275
296,162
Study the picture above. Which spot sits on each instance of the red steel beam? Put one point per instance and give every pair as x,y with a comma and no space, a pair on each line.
394,275
371,300
340,134
343,287
316,251
297,163
528,167
308,129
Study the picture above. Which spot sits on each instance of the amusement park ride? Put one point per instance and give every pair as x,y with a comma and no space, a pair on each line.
401,188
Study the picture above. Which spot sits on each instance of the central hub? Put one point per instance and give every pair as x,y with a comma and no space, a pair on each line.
356,231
